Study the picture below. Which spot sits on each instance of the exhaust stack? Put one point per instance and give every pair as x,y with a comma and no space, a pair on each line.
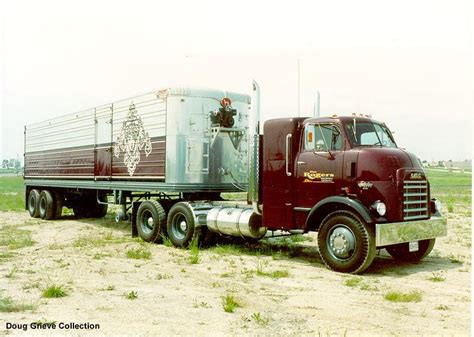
254,150
316,105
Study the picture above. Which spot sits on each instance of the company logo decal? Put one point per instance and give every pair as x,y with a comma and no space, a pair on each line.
365,185
416,175
315,176
131,140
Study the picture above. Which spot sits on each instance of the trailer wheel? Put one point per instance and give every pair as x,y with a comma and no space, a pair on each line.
402,252
33,203
181,225
47,205
99,210
345,243
151,220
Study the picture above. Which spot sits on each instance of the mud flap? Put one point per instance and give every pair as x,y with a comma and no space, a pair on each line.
135,206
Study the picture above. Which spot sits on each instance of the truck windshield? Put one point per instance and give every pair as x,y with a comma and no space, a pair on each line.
364,133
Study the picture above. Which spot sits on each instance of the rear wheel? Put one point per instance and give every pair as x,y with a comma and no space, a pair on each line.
47,205
346,244
181,227
33,203
402,250
151,221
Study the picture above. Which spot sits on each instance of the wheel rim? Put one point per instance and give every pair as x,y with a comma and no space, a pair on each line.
147,222
42,206
341,242
32,204
179,226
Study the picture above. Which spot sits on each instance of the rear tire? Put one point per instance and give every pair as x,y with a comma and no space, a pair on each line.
346,244
402,252
33,203
151,221
47,205
181,225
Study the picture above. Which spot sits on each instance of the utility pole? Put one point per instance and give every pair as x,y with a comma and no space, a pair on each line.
299,91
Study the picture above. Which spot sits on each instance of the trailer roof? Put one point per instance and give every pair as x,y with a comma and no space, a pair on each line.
201,92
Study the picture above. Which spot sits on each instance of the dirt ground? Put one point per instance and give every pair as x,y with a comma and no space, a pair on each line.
278,294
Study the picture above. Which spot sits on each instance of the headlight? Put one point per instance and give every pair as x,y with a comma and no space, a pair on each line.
438,205
380,207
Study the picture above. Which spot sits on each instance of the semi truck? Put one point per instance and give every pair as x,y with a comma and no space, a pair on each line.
167,156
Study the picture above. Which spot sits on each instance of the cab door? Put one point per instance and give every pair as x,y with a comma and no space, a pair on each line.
318,165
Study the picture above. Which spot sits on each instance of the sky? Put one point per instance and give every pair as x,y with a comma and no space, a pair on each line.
407,63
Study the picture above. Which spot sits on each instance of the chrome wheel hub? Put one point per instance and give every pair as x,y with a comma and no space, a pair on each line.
341,242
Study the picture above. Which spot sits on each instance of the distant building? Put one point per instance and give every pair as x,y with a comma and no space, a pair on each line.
458,165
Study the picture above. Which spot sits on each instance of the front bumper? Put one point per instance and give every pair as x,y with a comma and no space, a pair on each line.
387,234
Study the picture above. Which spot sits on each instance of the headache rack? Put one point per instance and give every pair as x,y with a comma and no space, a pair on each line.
415,200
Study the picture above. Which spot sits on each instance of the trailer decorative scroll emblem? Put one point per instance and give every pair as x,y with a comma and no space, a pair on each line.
131,140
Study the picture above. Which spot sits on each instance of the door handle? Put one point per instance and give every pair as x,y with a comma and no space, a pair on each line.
301,162
287,154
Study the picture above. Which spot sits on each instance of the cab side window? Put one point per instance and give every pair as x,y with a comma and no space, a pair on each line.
322,138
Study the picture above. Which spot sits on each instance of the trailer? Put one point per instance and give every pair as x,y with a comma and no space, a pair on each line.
167,156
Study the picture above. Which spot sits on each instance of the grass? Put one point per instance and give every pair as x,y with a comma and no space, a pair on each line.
54,291
401,297
13,238
139,253
437,277
229,303
12,194
442,307
201,304
12,272
352,282
452,188
194,251
110,287
276,274
133,295
260,319
8,305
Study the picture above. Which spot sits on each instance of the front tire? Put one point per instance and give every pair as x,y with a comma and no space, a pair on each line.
346,244
151,220
33,203
402,251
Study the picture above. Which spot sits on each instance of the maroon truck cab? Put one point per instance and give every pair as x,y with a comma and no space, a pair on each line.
346,178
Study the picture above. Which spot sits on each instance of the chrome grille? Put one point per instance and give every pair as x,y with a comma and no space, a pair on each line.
415,200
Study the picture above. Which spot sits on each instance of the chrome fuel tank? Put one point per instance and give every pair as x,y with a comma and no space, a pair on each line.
235,222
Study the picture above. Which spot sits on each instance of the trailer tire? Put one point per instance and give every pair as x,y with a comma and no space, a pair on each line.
401,251
47,205
151,221
181,227
99,210
33,203
346,244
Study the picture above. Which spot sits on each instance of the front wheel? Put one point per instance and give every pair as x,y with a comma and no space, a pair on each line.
402,250
346,244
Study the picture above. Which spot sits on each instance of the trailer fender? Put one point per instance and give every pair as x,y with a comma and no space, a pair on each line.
335,203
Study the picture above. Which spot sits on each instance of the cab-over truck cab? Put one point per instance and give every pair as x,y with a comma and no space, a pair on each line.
346,178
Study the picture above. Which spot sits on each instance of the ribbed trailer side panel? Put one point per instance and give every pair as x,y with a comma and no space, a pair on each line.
102,143
63,147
